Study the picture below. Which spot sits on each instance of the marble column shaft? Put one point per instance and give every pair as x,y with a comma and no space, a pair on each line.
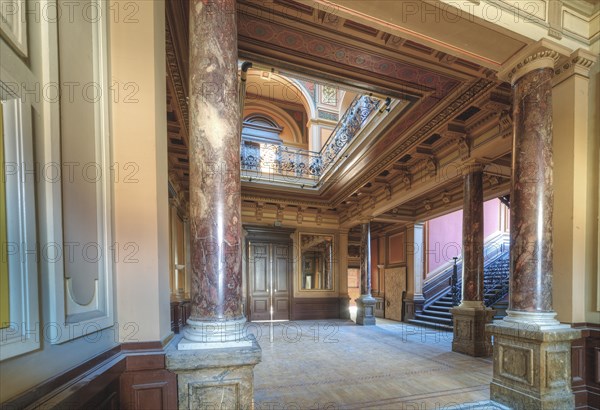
365,259
472,267
215,201
532,194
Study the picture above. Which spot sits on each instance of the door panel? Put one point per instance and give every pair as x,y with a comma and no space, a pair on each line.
395,284
281,292
269,273
259,281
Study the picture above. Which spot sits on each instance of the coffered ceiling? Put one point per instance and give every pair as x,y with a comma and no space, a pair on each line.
409,168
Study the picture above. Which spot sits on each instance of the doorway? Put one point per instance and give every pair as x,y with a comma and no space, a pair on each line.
269,275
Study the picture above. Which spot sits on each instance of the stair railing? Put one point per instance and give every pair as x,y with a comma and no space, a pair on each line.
496,281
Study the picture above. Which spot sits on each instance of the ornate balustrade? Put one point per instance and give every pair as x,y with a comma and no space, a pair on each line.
273,160
282,162
354,119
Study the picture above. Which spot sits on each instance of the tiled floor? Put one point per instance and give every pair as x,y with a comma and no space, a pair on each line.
339,365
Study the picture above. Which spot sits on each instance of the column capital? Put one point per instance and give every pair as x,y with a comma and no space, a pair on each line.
471,166
541,54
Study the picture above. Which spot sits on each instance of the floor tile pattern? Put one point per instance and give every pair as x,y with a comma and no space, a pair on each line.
339,365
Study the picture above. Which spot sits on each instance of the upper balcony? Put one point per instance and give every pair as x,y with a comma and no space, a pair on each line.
266,159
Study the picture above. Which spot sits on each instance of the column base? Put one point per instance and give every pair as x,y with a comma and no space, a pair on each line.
207,332
344,307
218,378
469,331
365,310
532,367
412,306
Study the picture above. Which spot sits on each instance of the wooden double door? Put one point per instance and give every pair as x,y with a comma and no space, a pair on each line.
269,280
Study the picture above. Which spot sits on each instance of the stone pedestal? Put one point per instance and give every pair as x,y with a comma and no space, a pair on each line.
365,310
220,378
469,331
532,366
412,306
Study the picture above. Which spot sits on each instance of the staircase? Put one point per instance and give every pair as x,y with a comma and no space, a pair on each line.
436,314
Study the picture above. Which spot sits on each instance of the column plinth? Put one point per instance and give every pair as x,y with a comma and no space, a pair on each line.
365,304
470,317
532,350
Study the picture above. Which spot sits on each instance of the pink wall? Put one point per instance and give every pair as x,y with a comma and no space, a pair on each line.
491,217
445,233
445,239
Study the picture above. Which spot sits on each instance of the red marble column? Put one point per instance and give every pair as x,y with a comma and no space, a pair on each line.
532,194
215,202
365,259
472,267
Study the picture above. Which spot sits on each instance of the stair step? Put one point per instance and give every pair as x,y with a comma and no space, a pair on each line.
437,313
440,303
439,308
446,298
435,326
433,319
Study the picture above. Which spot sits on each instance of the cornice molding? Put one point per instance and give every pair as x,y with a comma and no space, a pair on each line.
580,63
176,75
466,97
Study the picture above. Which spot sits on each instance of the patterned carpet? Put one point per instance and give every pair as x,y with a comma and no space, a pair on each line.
338,365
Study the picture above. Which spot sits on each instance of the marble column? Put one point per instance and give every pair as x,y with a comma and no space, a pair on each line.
343,274
365,304
532,350
471,316
214,188
215,359
415,264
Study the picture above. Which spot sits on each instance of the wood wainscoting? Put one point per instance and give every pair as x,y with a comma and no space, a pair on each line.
180,313
128,376
315,308
585,367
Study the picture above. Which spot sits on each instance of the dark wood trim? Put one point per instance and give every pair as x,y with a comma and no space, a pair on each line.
180,313
110,380
585,366
315,308
44,389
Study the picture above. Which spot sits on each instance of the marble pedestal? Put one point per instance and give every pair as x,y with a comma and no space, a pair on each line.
532,367
469,331
215,378
365,310
412,306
